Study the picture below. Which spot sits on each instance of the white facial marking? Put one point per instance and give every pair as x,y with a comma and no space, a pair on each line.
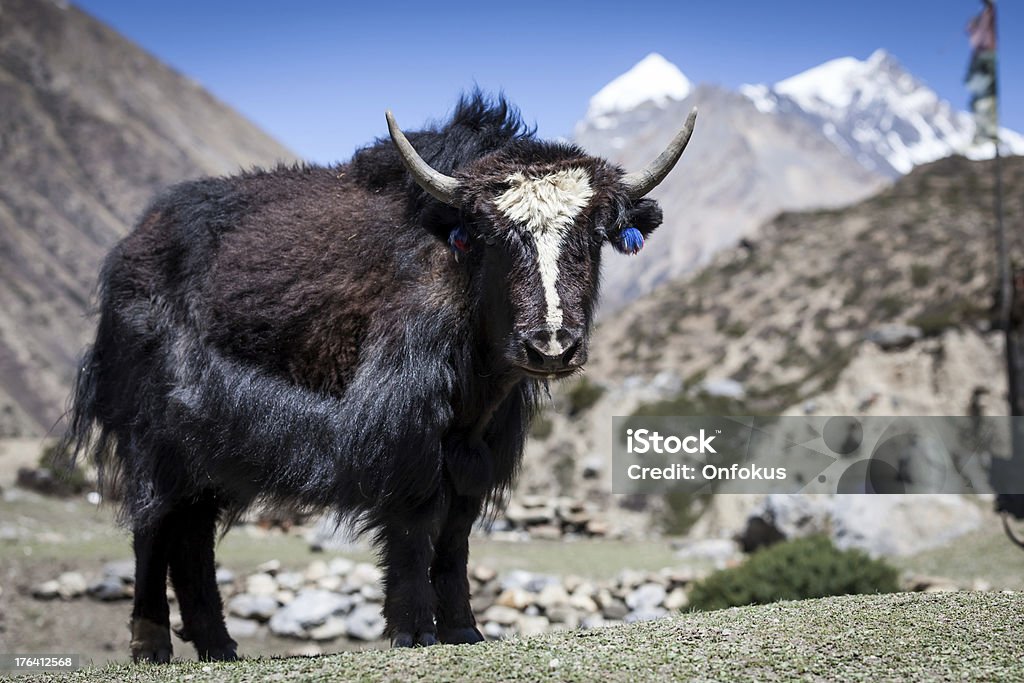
547,205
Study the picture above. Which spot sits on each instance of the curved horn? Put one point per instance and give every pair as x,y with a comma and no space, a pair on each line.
441,186
640,183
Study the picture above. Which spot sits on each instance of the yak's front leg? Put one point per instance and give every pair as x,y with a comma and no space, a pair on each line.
455,621
407,551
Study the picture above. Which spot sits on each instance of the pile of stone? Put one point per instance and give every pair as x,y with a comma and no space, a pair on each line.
327,600
524,603
114,583
540,517
340,598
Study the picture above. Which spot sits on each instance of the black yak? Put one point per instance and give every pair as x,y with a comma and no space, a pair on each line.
369,338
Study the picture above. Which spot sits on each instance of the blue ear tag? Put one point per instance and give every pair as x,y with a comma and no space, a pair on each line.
630,241
458,240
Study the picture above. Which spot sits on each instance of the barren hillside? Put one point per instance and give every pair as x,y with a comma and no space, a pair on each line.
92,126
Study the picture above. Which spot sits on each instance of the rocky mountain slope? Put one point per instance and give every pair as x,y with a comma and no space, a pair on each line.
92,127
792,323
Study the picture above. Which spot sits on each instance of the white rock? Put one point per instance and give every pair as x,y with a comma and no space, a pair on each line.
309,609
723,387
646,596
894,336
271,567
501,614
494,630
365,623
631,578
518,598
372,592
242,628
340,566
316,570
261,584
249,606
364,574
532,626
565,616
72,585
109,588
47,590
676,600
334,627
224,576
483,573
331,582
552,595
583,602
291,581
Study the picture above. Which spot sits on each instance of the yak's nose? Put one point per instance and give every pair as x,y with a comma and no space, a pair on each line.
556,353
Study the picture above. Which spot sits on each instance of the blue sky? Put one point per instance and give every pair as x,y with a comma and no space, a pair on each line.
318,75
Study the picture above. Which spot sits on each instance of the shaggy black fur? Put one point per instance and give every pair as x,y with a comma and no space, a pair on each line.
304,337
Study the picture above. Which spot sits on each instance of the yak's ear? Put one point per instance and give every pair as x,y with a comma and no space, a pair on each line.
645,216
641,221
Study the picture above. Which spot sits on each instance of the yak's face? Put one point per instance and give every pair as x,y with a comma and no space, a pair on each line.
534,218
535,236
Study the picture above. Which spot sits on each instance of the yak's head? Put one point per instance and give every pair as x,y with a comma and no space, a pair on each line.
534,217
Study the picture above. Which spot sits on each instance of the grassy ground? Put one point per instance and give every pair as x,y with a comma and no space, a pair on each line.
71,535
900,637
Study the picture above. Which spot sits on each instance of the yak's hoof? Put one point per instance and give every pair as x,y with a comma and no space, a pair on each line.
460,636
222,653
151,642
406,639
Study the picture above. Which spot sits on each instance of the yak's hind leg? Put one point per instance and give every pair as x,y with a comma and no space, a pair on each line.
407,550
151,631
194,576
455,621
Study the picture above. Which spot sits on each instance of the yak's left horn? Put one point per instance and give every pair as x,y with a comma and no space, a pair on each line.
441,186
640,183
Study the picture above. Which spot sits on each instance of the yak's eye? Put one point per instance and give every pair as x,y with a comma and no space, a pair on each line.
599,235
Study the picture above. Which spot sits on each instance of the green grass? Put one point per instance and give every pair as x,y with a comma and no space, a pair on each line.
93,539
897,637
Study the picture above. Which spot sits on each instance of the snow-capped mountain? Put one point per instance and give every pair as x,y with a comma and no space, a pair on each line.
742,167
876,112
824,138
653,80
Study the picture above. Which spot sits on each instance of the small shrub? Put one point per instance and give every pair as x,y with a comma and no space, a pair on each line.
541,427
794,570
53,477
920,275
682,510
583,395
889,306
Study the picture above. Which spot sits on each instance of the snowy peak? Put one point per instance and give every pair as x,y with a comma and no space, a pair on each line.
844,83
876,112
652,79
